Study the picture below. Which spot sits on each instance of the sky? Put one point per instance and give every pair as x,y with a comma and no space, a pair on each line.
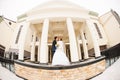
13,8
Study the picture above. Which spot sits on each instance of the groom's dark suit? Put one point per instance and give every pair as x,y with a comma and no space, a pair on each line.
53,47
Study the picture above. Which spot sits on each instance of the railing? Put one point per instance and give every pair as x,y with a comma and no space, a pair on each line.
7,63
112,54
8,60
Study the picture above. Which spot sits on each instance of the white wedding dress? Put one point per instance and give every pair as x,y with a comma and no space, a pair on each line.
60,57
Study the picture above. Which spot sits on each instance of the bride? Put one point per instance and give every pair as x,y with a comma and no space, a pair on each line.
59,57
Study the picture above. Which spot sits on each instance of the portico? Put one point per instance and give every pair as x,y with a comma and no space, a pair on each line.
72,23
71,30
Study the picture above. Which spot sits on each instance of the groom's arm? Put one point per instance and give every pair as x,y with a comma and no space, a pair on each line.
54,42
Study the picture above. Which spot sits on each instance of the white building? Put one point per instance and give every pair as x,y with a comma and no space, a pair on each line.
84,33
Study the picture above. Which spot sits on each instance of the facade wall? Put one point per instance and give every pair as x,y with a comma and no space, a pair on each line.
22,33
111,28
14,36
6,33
57,9
16,44
103,40
57,13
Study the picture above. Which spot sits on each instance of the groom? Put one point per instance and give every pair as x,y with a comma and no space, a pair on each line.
54,45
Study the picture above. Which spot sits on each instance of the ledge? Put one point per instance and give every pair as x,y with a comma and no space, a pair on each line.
51,67
75,71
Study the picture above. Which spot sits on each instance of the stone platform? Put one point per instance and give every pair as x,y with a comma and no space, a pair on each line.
77,71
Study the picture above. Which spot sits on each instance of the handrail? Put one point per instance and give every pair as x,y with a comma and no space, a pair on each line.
112,54
7,63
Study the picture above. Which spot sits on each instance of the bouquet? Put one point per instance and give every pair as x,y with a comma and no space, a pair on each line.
57,45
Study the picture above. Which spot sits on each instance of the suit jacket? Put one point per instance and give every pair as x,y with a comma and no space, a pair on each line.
53,45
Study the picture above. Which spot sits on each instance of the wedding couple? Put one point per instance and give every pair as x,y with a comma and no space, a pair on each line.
58,52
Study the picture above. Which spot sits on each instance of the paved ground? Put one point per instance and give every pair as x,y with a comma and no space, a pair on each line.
5,74
111,73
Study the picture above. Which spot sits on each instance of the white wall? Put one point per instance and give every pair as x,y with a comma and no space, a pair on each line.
56,13
103,40
6,32
112,28
27,38
16,29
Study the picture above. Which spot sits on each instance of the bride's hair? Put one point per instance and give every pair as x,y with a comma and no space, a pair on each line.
60,39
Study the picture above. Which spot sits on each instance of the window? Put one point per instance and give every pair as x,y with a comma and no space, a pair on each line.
17,38
10,23
98,30
37,39
85,36
32,38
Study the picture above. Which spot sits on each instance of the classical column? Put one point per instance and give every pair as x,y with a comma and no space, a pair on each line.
79,49
38,51
22,40
72,40
84,44
94,38
43,45
33,47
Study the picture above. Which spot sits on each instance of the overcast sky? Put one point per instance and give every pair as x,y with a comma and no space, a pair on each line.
13,8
